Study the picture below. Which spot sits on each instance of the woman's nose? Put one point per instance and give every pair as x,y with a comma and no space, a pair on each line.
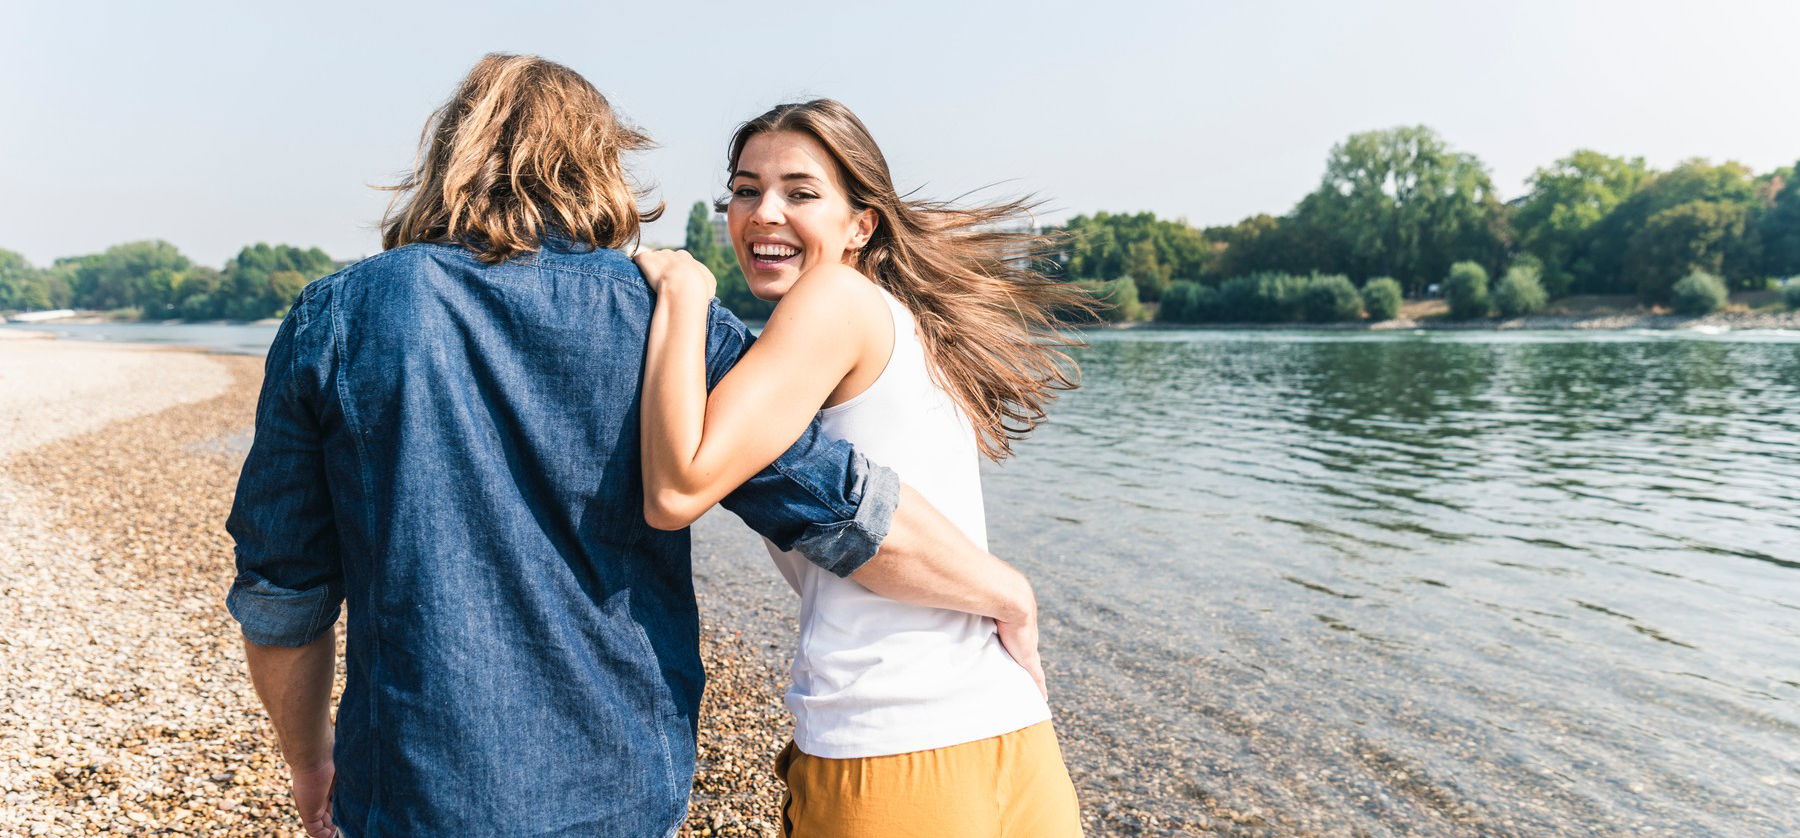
767,213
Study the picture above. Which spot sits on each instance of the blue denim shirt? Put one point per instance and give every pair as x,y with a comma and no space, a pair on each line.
452,449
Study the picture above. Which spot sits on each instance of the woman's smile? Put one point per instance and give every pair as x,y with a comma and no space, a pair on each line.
772,255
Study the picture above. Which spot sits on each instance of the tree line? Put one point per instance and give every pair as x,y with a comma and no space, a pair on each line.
1401,204
152,280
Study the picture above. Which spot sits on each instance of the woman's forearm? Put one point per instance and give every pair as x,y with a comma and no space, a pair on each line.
672,418
697,445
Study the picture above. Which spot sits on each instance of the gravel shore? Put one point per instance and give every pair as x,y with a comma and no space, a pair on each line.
126,706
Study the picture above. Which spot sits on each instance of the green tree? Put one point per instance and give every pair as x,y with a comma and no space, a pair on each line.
156,293
1781,225
1331,299
1401,203
1382,297
246,291
700,242
1698,293
124,275
1698,236
1615,243
1154,251
1519,292
195,294
1556,220
52,288
1118,299
1142,265
1189,302
1262,298
17,279
1467,290
286,285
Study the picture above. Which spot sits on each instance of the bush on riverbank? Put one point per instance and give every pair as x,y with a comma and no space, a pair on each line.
1520,292
1189,302
1790,294
1698,293
1467,290
1381,296
1260,298
1265,298
1118,300
1331,299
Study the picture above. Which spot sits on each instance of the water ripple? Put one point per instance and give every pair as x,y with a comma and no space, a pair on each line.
1572,555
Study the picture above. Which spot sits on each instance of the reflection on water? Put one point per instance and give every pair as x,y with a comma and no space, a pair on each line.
1478,583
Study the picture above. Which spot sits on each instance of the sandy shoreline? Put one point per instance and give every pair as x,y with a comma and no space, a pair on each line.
125,707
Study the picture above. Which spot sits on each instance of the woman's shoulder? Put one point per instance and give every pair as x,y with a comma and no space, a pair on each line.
840,291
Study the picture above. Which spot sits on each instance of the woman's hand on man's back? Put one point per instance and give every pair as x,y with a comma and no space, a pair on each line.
676,272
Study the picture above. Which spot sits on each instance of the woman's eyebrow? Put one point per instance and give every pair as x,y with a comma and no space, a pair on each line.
746,173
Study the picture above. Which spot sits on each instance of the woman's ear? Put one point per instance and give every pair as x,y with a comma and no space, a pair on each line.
864,227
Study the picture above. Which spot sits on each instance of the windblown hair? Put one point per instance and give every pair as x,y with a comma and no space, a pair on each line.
988,314
525,147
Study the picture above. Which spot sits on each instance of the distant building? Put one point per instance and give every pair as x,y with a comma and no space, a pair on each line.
721,236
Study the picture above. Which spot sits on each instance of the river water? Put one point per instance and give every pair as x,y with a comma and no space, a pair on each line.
1448,583
1451,583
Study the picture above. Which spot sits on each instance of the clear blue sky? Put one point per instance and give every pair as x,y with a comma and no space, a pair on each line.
217,125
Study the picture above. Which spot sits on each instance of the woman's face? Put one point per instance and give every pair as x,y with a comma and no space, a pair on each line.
789,211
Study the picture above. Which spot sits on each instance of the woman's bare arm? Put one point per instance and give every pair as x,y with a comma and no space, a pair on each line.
697,448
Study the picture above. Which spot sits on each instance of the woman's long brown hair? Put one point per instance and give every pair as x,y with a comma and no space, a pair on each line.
988,315
525,147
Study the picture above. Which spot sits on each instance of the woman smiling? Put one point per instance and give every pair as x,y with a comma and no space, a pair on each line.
919,333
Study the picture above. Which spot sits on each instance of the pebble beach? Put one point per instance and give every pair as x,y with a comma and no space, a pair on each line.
126,707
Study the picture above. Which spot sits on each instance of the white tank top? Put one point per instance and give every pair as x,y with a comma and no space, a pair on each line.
873,676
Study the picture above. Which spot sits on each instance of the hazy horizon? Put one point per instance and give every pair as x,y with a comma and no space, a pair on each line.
213,127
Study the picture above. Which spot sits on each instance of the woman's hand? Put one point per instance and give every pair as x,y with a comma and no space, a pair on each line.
1021,641
676,273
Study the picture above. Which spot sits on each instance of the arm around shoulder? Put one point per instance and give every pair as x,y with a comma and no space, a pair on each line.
699,447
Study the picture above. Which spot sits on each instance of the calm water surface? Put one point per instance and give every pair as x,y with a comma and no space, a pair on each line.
1463,583
235,338
1469,583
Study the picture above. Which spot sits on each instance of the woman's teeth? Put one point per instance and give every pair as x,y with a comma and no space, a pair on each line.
773,251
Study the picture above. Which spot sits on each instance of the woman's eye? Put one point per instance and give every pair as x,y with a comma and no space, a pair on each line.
743,192
803,196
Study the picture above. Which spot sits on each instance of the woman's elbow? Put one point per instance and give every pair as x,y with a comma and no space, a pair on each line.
670,510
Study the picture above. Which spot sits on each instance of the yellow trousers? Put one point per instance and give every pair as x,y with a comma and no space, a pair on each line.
1009,786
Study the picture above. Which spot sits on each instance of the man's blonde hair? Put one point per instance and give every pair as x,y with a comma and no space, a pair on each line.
525,147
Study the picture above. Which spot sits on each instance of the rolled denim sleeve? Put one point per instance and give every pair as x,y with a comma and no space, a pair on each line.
289,584
820,497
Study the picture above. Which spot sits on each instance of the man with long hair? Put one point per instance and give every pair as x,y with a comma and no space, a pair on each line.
447,441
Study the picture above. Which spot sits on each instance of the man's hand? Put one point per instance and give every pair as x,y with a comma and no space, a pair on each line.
312,796
926,560
294,684
1020,637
